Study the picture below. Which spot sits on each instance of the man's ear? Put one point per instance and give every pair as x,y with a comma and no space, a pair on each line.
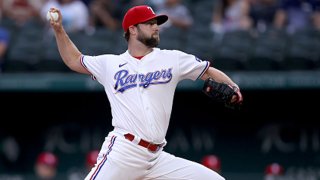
132,30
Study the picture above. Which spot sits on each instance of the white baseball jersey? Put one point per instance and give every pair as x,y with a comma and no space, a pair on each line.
141,92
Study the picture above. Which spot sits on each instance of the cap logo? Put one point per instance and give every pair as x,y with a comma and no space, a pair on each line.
139,14
151,10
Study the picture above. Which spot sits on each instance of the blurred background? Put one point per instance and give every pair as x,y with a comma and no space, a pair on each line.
53,119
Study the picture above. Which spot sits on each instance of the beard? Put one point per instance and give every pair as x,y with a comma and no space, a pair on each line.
151,42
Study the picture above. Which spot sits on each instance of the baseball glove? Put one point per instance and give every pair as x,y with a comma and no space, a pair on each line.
223,93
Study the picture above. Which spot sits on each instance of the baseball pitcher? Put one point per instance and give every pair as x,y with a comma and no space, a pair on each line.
140,85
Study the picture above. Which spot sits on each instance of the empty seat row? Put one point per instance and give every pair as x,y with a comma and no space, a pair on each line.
35,49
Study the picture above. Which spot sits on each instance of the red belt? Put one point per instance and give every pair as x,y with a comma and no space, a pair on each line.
150,146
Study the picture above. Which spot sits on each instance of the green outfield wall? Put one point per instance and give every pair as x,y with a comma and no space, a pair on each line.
78,82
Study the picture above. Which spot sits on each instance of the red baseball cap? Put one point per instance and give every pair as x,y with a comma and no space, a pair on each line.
212,162
47,158
274,169
139,14
92,157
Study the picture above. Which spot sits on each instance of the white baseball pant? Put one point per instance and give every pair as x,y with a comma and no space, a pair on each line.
121,159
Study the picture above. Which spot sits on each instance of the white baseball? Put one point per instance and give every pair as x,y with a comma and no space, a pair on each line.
54,15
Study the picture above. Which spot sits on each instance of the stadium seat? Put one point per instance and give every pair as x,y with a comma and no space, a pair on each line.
202,12
234,50
50,60
172,38
103,41
25,50
200,42
303,50
121,44
267,53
